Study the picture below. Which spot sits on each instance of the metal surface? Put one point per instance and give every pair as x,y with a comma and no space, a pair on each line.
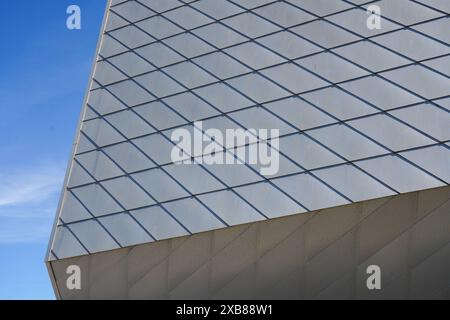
362,114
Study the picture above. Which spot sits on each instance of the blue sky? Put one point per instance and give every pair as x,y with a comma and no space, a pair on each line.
44,71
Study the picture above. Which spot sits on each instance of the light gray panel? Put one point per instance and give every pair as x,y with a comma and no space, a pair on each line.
405,12
78,176
131,93
399,174
234,174
191,106
159,223
161,5
254,55
101,133
288,44
111,47
192,214
72,210
440,64
269,200
307,152
390,132
435,159
187,17
356,20
258,118
444,103
114,22
251,25
369,89
103,101
332,67
159,84
339,103
230,207
93,236
284,14
421,81
159,55
299,113
160,115
99,165
132,11
249,4
219,123
438,4
126,230
159,27
84,145
228,37
96,200
203,182
412,44
128,157
371,56
160,185
131,64
223,97
129,124
354,183
217,10
324,34
127,193
190,75
116,2
221,65
284,166
131,37
188,45
436,29
321,7
428,118
89,114
106,73
157,147
294,78
347,142
312,193
66,245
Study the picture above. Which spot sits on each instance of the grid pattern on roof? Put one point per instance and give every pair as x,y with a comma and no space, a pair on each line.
362,114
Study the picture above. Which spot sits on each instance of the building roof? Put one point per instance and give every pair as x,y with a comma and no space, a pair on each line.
362,113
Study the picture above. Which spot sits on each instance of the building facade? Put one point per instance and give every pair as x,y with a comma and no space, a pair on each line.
261,149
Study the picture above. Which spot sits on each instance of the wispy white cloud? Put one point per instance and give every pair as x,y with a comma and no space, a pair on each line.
28,200
29,186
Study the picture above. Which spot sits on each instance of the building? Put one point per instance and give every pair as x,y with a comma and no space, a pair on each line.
360,96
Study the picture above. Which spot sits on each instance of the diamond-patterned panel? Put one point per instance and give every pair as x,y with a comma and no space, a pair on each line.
361,113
